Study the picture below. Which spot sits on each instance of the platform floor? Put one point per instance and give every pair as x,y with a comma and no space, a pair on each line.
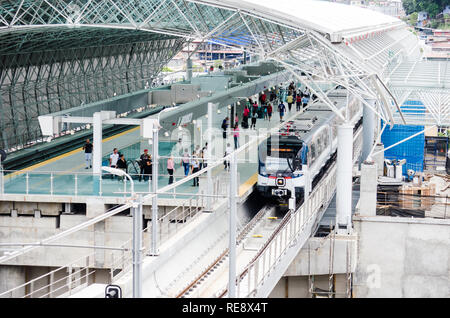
66,174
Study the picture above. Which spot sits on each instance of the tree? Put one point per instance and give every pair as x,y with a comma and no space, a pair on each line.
409,6
413,18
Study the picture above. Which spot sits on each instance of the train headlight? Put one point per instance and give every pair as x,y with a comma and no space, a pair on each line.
281,182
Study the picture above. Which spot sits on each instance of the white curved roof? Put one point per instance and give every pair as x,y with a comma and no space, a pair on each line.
323,16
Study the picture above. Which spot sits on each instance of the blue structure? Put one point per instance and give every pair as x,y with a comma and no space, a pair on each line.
413,149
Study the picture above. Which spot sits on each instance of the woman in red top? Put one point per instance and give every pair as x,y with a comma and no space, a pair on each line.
269,111
245,119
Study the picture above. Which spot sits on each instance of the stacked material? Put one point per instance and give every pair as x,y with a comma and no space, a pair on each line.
441,206
417,196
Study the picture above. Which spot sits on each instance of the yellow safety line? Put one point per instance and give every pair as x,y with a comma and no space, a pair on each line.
67,154
248,184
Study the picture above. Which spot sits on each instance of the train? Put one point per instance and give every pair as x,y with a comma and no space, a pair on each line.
294,158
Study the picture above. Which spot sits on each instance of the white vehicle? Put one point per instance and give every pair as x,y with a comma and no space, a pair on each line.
302,150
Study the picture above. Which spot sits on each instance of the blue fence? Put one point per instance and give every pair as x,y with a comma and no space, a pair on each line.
412,150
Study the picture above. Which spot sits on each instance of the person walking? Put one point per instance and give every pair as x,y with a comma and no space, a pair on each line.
88,153
265,112
195,167
299,102
185,162
122,165
263,98
226,162
269,111
204,153
148,170
273,96
170,167
254,117
236,136
224,127
305,100
143,158
245,117
255,107
290,100
281,109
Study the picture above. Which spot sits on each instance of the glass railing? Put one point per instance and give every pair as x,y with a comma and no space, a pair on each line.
105,184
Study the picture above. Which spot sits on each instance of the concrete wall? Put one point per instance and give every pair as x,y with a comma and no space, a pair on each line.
111,232
178,93
299,286
10,277
314,257
402,257
212,83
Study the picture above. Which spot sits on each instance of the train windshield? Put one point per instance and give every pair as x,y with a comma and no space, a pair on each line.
277,155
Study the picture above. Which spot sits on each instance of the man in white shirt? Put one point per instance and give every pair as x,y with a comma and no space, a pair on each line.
113,158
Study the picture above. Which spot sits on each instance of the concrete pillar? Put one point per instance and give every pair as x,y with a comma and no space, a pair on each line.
344,179
11,277
368,189
189,69
232,228
379,158
155,156
369,122
97,152
198,133
208,158
137,248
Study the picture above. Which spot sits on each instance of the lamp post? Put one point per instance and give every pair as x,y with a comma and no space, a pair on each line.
137,233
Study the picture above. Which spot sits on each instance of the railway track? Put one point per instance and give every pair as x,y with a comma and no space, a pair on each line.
221,259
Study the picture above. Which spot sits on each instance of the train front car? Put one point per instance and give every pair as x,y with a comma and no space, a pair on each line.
280,168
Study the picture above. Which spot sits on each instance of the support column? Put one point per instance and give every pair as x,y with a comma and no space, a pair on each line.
232,228
369,122
2,180
368,189
137,248
189,69
344,179
379,158
209,187
154,250
97,151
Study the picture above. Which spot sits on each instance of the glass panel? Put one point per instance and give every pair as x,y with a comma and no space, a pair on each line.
39,183
64,184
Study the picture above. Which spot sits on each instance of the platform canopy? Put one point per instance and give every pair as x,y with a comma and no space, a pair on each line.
58,54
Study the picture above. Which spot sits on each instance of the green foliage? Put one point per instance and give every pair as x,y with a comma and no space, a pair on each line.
166,69
413,18
433,7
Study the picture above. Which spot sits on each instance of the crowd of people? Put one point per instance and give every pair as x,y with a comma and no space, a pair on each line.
263,108
256,108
